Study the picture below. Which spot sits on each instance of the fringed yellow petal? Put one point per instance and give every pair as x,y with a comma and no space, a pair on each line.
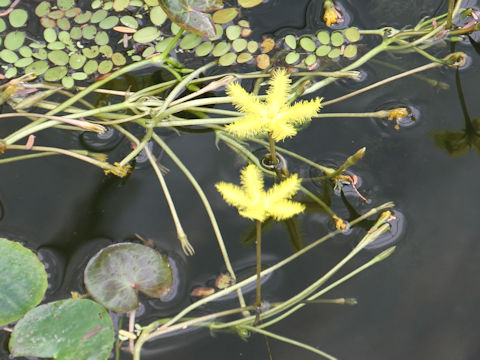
254,213
300,112
284,190
244,101
252,183
281,130
284,209
278,92
247,126
232,194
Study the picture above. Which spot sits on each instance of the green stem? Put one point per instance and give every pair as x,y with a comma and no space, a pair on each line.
450,14
258,298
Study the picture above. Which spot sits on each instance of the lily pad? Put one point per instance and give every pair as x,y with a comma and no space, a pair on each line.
14,40
65,330
249,3
146,34
55,73
8,56
157,16
42,9
114,275
192,15
18,18
23,281
224,16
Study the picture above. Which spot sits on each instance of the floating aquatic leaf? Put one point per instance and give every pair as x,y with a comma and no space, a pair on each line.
8,56
56,14
334,53
148,51
239,45
118,59
291,41
65,329
310,60
252,46
25,51
109,22
55,73
65,4
56,45
40,54
157,16
106,51
88,32
11,73
307,44
337,38
23,62
224,16
101,38
42,9
267,45
67,82
190,41
91,52
58,57
17,18
120,5
105,66
79,76
64,37
204,49
323,37
162,45
323,50
64,24
47,22
152,2
73,12
292,57
221,48
37,68
130,21
244,57
76,61
114,275
76,33
14,40
263,61
23,280
192,15
90,67
3,25
146,34
233,32
227,59
249,3
83,18
98,16
352,34
350,51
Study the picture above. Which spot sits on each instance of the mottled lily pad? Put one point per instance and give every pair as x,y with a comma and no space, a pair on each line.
64,330
23,281
192,15
114,275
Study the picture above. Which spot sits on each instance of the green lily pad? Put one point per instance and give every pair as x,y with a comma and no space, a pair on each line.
76,33
65,4
98,16
90,67
83,18
221,48
65,330
49,35
130,21
244,57
23,281
350,51
8,56
192,15
106,51
55,73
323,50
114,275
56,14
239,45
252,46
323,37
148,51
3,25
337,38
58,57
105,66
67,82
40,54
42,9
189,41
224,16
109,22
227,59
146,34
14,40
18,17
23,62
157,16
352,34
79,76
310,60
118,59
89,31
334,53
292,58
76,61
64,24
101,38
233,32
291,41
25,51
204,49
56,45
47,22
4,3
37,68
307,44
11,73
120,5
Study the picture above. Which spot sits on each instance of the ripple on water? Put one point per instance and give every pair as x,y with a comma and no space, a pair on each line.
101,142
393,235
54,262
391,127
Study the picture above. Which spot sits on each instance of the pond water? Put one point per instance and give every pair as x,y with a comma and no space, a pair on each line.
421,303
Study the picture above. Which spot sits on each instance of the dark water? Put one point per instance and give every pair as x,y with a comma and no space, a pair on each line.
421,303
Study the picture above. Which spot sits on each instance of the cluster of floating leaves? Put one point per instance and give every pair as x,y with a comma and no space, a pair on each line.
79,44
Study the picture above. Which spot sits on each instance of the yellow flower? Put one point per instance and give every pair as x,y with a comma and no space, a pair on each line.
274,115
255,203
330,16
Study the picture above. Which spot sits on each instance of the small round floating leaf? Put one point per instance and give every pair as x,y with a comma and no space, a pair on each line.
267,45
76,33
174,28
189,41
120,5
310,60
64,24
90,67
108,22
263,61
334,53
79,76
58,57
146,35
162,45
98,16
204,49
17,18
42,9
76,61
83,18
56,45
157,16
115,274
337,38
239,45
25,51
323,50
136,58
88,32
151,2
244,57
56,14
252,46
64,329
11,73
37,45
307,44
4,3
101,38
227,59
3,25
14,40
106,50
64,37
40,54
8,56
350,51
71,13
47,22
65,4
249,3
23,280
118,59
96,4
91,52
68,82
291,41
218,33
38,67
233,32
224,16
148,51
292,57
23,62
55,73
352,34
323,37
108,5
129,21
49,35
221,48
